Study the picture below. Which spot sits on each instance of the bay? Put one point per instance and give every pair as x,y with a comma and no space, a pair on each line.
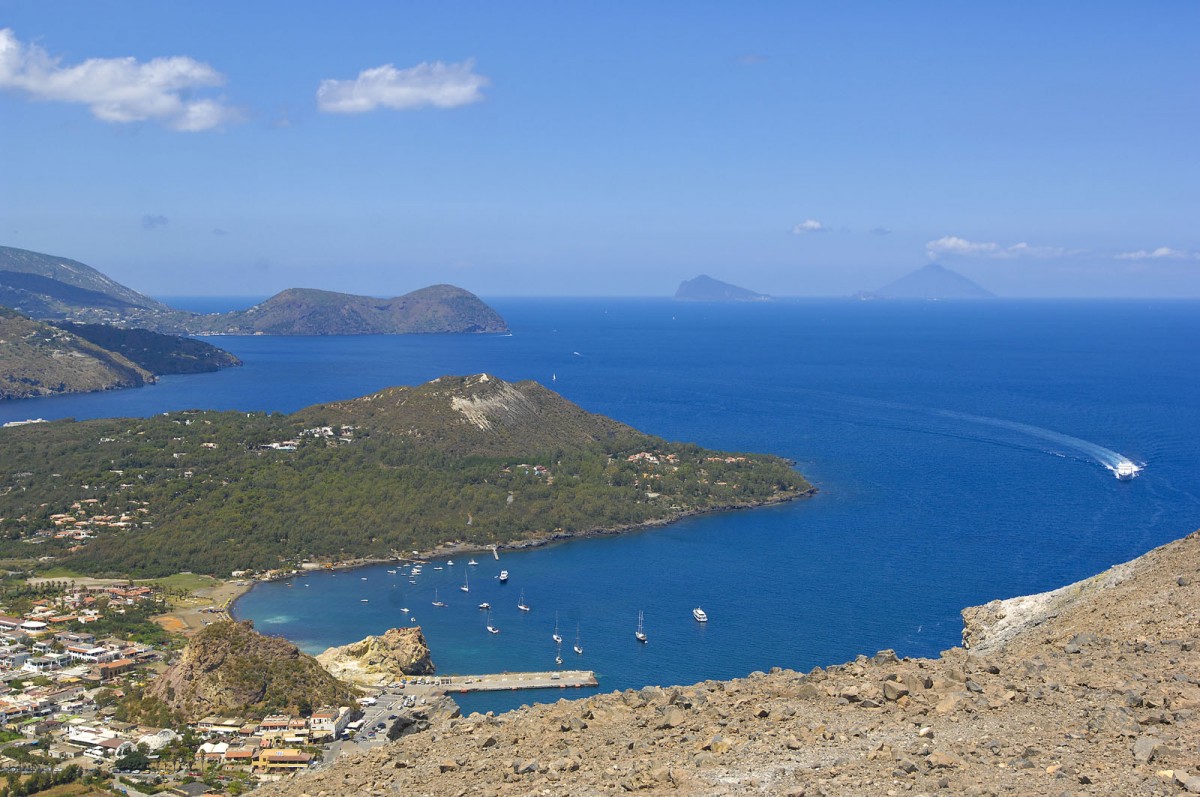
958,448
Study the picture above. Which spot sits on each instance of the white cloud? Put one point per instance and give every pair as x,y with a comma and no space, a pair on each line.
436,84
1157,254
117,90
953,245
807,226
961,247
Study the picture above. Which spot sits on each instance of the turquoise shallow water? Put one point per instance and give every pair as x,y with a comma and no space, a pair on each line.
959,450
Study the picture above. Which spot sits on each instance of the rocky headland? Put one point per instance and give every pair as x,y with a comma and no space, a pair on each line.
229,668
377,660
1091,689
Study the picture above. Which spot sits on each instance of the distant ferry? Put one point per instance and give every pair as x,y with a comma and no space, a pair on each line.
1126,470
699,614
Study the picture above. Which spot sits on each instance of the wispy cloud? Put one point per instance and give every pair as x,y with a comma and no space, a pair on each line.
809,226
119,90
437,84
1161,253
952,245
153,222
880,231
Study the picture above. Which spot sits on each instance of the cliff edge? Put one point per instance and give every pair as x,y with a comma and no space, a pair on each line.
1094,689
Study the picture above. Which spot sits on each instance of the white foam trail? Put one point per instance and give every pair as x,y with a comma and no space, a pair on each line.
1121,466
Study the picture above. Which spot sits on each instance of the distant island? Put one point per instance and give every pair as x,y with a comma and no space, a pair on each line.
472,461
706,289
38,359
51,288
931,282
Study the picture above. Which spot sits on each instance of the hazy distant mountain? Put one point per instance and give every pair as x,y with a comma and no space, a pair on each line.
48,286
52,288
931,282
304,311
706,289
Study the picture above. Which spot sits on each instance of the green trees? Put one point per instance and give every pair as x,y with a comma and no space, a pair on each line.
206,492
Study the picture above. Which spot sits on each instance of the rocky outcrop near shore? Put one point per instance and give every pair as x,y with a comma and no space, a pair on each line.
1096,691
380,659
229,668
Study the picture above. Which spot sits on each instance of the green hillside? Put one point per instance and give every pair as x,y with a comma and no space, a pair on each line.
37,359
472,459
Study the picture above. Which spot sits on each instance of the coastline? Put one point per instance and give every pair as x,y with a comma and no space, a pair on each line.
540,540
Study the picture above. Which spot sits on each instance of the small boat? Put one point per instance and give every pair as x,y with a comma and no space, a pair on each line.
403,610
439,567
449,563
485,606
436,601
699,614
557,637
393,572
503,576
362,600
364,578
578,648
640,633
558,660
466,585
521,602
1125,470
472,563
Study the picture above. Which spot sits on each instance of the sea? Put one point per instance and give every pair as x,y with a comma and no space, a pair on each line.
963,453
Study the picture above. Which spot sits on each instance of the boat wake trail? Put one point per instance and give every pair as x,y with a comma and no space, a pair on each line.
979,428
1121,466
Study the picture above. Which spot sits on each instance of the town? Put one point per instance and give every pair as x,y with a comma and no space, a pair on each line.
74,660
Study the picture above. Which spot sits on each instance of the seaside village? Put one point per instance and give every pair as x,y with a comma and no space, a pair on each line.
59,707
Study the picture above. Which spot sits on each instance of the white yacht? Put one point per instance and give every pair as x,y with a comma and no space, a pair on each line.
521,604
640,633
699,614
503,576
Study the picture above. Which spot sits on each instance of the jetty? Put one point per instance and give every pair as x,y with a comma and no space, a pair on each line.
506,681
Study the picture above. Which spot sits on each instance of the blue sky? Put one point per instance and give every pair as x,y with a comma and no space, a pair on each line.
609,148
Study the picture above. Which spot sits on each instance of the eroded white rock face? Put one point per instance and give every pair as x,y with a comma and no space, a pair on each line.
503,404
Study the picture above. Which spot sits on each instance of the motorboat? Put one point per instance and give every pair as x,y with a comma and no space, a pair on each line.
699,614
1126,470
485,606
503,576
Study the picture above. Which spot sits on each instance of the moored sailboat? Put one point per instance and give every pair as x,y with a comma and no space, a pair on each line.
640,633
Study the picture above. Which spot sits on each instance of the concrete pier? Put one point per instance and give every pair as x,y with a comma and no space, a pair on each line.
450,684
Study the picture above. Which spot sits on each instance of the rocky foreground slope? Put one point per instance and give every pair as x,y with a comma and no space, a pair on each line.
1093,689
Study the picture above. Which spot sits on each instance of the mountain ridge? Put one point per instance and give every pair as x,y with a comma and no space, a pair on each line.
52,288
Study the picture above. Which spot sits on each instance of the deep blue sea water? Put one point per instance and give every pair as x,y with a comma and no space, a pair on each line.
958,448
